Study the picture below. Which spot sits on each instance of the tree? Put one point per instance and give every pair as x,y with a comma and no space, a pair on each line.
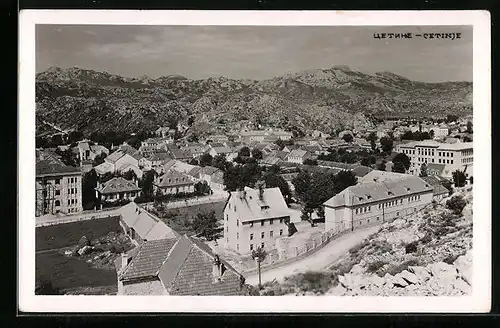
459,178
146,184
256,153
129,175
423,170
471,180
202,188
368,160
348,157
456,204
381,165
372,137
107,176
448,185
220,162
431,134
280,143
342,180
321,213
194,161
466,139
451,118
403,159
408,135
89,182
99,159
301,183
74,136
190,120
469,127
398,167
348,137
273,180
193,138
259,255
310,161
373,145
205,225
386,143
244,152
206,160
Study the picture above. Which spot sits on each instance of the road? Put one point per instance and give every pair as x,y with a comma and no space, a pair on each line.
318,260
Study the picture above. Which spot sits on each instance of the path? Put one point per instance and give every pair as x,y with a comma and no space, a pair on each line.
318,260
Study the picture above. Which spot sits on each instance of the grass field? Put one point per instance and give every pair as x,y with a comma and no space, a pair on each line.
68,234
177,218
69,274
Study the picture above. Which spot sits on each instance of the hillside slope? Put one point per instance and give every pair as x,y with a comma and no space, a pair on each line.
331,98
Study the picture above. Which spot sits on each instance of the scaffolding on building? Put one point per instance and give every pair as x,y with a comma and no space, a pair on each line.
45,198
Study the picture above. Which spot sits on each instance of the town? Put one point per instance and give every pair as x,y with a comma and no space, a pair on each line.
252,209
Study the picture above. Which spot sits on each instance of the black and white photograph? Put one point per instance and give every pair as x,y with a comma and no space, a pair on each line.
258,160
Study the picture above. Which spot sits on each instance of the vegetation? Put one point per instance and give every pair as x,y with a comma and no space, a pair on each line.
205,225
411,248
456,204
459,178
259,255
386,143
206,160
423,170
402,161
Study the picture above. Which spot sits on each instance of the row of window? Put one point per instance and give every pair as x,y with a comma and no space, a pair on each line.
466,152
262,234
271,221
72,191
363,209
421,159
426,152
72,210
466,160
70,202
445,154
409,151
251,246
447,161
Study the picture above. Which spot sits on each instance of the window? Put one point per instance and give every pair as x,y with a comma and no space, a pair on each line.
237,235
58,181
69,191
69,181
251,236
271,234
251,247
262,223
401,201
235,208
229,205
68,202
281,220
227,217
281,232
356,211
262,245
58,203
237,223
262,235
238,247
271,221
369,208
251,224
397,213
58,192
451,161
227,229
378,219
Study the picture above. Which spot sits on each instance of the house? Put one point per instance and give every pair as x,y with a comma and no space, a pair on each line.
298,156
88,151
165,132
213,176
117,189
381,176
218,138
376,202
173,182
196,150
457,156
176,165
119,162
58,186
255,218
270,161
175,153
439,192
142,226
225,151
152,145
183,267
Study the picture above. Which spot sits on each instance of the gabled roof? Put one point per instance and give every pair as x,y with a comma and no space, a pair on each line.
366,193
173,178
97,149
250,207
361,170
208,170
114,157
298,153
50,165
127,149
118,184
159,156
437,168
195,172
436,183
222,150
381,176
103,168
147,226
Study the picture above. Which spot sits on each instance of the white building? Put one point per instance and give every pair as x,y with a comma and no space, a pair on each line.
376,202
457,156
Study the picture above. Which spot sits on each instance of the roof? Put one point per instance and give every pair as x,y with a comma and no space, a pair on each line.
173,178
84,145
338,165
361,170
99,149
147,226
103,168
439,145
381,176
50,165
114,157
178,166
435,182
298,153
435,168
222,150
366,193
271,160
208,170
177,153
159,156
118,184
195,172
248,205
148,260
184,266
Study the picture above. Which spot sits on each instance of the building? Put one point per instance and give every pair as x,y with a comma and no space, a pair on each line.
439,191
298,156
119,161
213,176
376,202
225,151
88,151
58,186
117,189
458,156
255,218
183,266
153,145
141,226
439,131
173,182
218,138
264,135
165,132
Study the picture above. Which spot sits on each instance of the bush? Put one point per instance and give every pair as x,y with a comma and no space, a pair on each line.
375,266
456,204
450,259
411,248
403,266
312,281
358,247
426,239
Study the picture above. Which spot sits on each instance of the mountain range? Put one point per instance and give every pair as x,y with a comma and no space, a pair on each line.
324,99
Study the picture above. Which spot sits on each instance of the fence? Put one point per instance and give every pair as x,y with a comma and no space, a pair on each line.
316,243
188,202
75,218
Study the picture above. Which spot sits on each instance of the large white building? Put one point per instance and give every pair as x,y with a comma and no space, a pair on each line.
457,156
376,202
254,218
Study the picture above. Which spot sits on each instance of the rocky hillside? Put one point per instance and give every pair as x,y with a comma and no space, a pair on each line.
427,254
324,98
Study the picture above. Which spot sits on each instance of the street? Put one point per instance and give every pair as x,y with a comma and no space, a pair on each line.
318,260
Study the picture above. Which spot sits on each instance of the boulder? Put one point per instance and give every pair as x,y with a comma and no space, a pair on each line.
421,272
398,281
462,286
377,281
463,264
338,290
441,269
357,269
409,277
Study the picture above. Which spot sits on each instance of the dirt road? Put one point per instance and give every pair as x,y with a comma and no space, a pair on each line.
318,260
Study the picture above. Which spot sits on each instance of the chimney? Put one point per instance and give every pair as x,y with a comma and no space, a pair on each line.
217,268
124,260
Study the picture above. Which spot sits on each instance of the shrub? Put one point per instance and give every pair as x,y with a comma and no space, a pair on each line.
411,248
313,281
426,239
403,266
358,247
450,259
375,266
456,204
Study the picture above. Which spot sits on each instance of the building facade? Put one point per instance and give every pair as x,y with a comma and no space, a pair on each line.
253,219
172,183
117,189
457,156
376,202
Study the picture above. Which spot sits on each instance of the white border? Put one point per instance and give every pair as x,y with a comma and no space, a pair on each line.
480,301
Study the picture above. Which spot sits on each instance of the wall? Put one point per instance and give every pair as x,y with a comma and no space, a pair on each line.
152,287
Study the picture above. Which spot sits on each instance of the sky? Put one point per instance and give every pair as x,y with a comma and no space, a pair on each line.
253,52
